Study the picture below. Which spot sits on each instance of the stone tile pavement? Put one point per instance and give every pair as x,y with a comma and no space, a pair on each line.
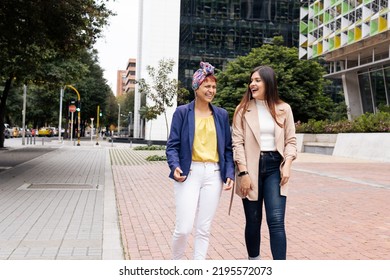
57,204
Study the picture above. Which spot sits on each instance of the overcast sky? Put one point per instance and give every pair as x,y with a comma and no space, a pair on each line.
120,39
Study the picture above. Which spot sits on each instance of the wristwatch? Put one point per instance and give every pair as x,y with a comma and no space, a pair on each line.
242,173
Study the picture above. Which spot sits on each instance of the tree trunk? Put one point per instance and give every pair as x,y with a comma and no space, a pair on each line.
3,101
166,123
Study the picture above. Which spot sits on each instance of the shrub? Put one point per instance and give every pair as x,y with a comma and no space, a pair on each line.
149,148
156,158
379,122
312,126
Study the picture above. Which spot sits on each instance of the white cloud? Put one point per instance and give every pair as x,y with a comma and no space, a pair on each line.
119,42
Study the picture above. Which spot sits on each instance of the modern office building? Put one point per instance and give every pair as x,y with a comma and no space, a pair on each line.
125,81
190,31
130,75
219,31
120,82
353,37
158,38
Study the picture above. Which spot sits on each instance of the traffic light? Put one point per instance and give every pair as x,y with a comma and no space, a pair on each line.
101,114
78,106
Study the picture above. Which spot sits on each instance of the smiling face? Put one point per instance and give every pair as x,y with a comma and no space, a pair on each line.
257,86
207,90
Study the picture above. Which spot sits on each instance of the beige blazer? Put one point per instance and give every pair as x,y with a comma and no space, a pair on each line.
247,146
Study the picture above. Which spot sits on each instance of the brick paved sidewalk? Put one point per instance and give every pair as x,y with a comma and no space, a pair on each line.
337,209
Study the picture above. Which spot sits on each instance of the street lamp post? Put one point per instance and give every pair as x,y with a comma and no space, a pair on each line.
78,114
92,129
97,124
60,114
119,119
130,122
24,114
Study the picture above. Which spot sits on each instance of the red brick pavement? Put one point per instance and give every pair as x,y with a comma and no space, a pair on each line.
337,209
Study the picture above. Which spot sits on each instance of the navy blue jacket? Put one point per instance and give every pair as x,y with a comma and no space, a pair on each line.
181,139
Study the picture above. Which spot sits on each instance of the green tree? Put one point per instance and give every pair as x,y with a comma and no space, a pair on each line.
161,91
127,107
110,112
92,87
43,98
33,32
300,82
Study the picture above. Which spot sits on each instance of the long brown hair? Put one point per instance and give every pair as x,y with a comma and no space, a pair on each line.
268,76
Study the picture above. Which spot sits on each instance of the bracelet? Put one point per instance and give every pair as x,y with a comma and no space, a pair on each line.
242,173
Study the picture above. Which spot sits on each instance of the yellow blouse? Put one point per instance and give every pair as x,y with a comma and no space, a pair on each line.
205,140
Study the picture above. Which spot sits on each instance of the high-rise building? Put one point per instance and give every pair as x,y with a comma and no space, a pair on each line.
219,31
353,36
130,75
216,31
125,81
120,82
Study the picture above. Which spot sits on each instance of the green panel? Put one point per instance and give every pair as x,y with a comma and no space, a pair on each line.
312,25
373,27
351,36
331,44
327,17
336,2
346,8
303,28
316,9
367,1
315,52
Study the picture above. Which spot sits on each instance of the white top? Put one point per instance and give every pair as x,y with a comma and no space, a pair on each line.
267,127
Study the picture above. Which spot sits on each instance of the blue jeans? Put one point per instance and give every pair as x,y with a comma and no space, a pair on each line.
275,208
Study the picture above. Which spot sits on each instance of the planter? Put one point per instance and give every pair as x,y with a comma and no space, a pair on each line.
316,143
371,146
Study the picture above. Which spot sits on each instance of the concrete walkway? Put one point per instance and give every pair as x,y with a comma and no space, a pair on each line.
58,205
108,202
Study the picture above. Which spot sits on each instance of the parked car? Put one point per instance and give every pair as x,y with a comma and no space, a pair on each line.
54,131
45,131
28,132
15,132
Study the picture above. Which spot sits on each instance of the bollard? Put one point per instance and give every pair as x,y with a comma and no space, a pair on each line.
43,141
131,144
112,142
34,139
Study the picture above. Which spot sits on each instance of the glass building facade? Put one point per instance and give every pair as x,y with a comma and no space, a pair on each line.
220,30
375,88
354,38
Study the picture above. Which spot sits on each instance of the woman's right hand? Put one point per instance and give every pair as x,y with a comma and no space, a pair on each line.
177,174
245,185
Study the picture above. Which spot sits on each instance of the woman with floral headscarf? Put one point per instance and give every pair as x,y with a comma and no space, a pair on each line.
199,154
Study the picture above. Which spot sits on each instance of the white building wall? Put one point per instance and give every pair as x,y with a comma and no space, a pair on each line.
159,34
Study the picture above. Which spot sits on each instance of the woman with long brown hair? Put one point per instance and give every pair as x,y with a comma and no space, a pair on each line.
264,146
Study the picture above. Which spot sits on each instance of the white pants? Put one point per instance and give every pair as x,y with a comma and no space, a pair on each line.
196,201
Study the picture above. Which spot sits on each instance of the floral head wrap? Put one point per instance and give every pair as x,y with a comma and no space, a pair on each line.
205,70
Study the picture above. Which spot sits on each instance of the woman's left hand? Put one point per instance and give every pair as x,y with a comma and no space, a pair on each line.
285,175
228,184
